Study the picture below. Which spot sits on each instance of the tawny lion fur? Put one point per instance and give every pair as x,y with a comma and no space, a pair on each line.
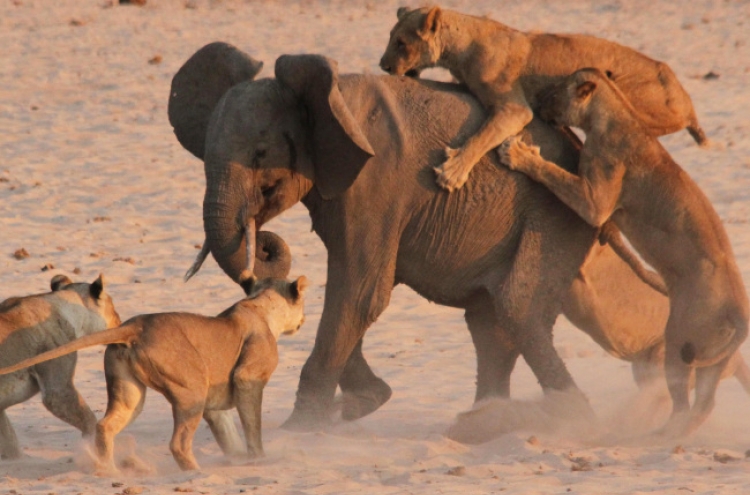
609,302
627,176
507,69
34,324
202,365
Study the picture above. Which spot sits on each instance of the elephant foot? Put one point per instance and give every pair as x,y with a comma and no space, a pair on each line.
360,403
306,420
679,425
11,454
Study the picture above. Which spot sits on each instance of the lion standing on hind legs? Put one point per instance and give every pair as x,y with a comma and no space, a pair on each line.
507,69
624,174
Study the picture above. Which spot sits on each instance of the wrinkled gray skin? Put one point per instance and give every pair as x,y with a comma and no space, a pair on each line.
209,73
358,151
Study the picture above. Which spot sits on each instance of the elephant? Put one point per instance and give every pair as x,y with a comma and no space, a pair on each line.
358,152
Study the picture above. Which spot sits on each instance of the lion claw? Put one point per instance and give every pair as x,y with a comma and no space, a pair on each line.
446,181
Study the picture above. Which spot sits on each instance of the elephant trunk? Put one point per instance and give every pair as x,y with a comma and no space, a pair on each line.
224,234
241,251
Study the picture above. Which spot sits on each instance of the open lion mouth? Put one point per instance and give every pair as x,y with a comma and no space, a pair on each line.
414,73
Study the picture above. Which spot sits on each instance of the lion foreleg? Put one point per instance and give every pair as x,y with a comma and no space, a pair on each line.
593,195
506,120
249,398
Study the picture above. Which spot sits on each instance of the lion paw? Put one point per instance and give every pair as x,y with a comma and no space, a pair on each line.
453,173
513,151
450,152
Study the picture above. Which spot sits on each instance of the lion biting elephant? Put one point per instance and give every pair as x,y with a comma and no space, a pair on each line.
358,151
507,69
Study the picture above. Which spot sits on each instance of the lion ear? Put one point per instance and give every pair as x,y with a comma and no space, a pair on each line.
402,11
431,22
97,287
585,89
59,282
298,287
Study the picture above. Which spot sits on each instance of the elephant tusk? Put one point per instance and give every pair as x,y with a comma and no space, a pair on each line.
198,262
247,273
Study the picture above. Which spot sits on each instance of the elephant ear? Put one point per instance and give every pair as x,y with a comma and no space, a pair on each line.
199,85
340,148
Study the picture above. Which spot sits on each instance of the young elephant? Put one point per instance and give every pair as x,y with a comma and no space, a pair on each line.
506,69
626,175
200,364
34,324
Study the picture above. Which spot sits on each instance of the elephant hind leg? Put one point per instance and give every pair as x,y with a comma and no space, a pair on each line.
8,441
529,299
363,391
741,371
496,352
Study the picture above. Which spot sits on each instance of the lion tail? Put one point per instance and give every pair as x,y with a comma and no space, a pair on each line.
119,335
610,234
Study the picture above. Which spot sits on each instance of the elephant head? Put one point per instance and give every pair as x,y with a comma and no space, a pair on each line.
265,144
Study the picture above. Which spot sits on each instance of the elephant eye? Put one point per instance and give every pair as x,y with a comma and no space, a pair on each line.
259,153
400,45
268,191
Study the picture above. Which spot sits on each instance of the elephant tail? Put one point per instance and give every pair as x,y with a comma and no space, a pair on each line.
120,335
610,234
199,85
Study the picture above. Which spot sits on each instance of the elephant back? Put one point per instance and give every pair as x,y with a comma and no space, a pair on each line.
199,85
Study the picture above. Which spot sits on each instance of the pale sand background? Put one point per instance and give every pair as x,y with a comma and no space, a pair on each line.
93,178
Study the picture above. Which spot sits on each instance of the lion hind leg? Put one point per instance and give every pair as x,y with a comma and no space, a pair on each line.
187,417
225,432
60,397
126,396
706,381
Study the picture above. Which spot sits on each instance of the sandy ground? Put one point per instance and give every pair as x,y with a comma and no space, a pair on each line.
93,180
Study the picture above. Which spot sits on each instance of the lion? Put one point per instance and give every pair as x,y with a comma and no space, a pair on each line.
34,324
625,175
609,302
507,69
200,364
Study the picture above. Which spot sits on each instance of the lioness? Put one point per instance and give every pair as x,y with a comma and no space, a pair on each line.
626,175
506,69
199,363
34,324
610,303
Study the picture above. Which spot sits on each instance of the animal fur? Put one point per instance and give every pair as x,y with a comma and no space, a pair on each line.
34,324
200,364
507,70
627,176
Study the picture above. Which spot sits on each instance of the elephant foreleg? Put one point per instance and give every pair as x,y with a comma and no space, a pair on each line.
529,300
357,292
